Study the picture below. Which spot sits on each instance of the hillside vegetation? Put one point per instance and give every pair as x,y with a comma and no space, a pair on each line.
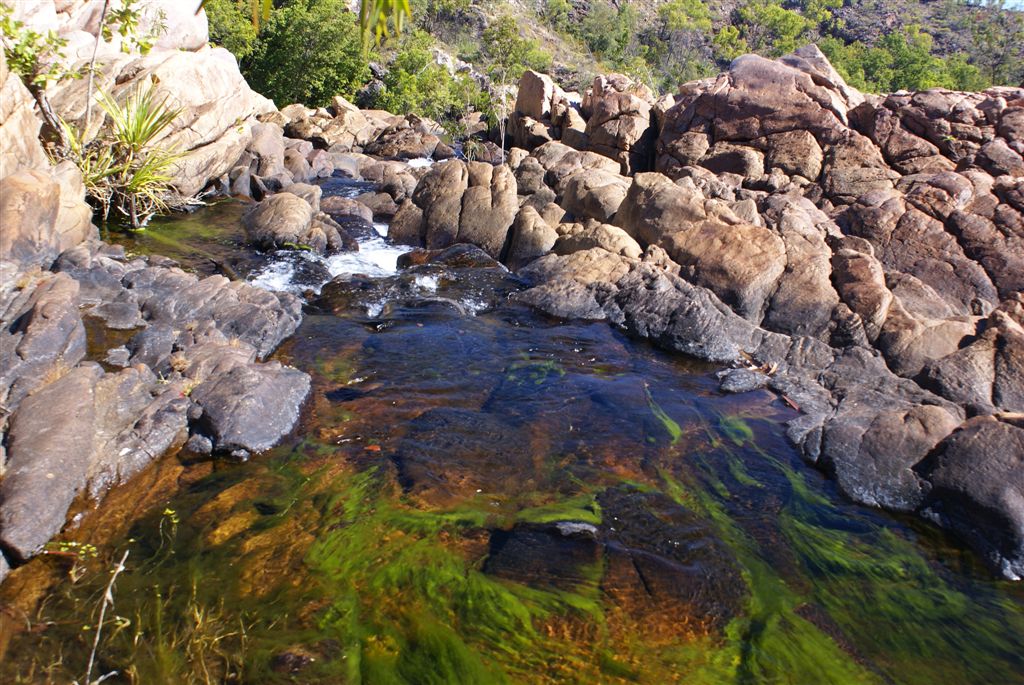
308,50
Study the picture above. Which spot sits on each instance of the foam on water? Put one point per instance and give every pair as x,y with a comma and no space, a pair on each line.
376,258
420,163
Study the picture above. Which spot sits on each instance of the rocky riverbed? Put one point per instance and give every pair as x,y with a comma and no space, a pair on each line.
859,257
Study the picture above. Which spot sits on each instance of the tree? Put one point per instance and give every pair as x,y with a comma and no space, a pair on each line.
308,52
231,27
999,41
510,55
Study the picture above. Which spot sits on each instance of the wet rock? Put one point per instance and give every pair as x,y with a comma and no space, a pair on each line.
252,315
545,556
48,461
742,380
336,206
977,488
251,407
449,454
43,336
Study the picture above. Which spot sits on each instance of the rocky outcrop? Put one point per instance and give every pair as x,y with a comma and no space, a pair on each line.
42,208
619,123
858,255
191,366
217,107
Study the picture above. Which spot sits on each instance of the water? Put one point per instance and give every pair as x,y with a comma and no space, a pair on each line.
479,494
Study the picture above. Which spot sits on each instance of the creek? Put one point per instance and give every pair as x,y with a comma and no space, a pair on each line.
479,494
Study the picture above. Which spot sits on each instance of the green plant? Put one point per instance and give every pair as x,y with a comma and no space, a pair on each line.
308,52
415,83
38,59
230,26
123,168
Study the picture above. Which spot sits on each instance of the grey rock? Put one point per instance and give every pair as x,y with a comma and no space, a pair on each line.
48,460
252,406
977,479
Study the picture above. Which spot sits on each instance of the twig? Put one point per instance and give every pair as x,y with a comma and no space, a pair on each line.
92,68
108,599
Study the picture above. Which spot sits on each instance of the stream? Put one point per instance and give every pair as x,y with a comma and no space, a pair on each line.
480,494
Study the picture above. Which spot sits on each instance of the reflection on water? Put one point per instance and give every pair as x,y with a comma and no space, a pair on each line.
499,498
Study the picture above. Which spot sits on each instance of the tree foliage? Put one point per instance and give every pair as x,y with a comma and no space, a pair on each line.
308,52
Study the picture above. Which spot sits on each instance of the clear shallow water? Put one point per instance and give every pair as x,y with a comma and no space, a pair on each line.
478,494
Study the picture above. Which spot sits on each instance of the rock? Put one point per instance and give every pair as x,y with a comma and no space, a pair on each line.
531,237
619,126
742,380
805,297
489,206
283,220
379,204
595,194
48,461
267,149
654,304
567,299
252,406
536,92
408,226
757,98
795,152
728,158
297,166
19,126
585,267
439,194
42,337
238,310
43,213
214,98
576,237
402,141
310,193
977,488
854,167
998,158
654,207
336,207
529,133
741,264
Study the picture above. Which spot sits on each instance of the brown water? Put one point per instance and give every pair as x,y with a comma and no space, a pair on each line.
501,497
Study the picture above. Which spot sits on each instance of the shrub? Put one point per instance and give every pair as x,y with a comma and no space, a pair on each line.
231,25
123,168
308,52
416,84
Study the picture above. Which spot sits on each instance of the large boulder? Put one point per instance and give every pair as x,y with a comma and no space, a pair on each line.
620,123
594,194
741,263
977,488
489,206
655,207
217,107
